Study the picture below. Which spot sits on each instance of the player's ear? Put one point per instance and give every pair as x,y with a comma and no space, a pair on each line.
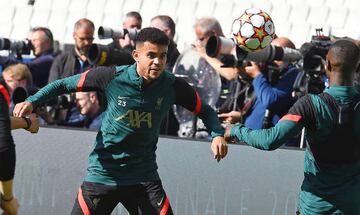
328,66
135,55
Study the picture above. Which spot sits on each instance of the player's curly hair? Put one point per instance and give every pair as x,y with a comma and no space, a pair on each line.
152,35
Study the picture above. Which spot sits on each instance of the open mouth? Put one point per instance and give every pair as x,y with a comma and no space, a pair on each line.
155,69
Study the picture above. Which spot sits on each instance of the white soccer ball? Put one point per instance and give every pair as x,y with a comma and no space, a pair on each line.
253,30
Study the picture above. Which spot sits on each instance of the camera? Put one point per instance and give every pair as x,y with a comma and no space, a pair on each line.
221,46
102,55
311,76
18,47
53,111
109,33
20,94
315,51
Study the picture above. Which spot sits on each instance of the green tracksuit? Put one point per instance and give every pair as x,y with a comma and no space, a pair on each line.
328,188
124,151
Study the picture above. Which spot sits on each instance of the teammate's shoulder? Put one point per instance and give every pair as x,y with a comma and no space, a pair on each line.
124,68
306,99
168,78
169,74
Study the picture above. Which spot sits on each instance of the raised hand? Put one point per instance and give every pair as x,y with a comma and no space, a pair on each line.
23,109
219,148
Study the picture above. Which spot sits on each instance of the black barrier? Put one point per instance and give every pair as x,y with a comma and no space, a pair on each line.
51,166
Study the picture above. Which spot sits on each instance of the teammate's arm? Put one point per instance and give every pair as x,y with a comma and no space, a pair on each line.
187,97
95,79
30,124
302,114
7,160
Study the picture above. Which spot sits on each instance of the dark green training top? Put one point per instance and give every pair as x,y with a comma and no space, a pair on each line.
332,160
124,151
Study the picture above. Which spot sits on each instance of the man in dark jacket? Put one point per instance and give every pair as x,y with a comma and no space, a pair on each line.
167,25
74,62
42,46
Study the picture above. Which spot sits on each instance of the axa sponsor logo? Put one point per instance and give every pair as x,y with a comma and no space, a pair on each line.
136,119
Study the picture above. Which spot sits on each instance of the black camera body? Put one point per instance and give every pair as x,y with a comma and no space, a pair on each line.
315,51
53,111
20,94
310,78
103,55
16,47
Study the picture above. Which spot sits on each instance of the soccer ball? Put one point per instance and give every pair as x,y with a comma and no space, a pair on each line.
253,30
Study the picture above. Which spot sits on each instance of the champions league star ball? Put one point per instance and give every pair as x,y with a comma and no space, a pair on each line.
254,30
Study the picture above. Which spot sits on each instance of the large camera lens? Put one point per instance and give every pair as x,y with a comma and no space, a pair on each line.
4,44
219,45
103,55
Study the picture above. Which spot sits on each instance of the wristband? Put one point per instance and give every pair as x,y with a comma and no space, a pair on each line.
7,200
28,122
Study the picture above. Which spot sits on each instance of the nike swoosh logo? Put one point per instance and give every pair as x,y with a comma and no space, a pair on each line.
159,203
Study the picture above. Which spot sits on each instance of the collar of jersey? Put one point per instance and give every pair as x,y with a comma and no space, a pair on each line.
344,93
134,76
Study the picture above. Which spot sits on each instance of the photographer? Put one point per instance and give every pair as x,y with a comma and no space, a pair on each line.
204,28
332,127
42,46
167,25
132,20
67,64
17,75
74,62
272,92
86,113
89,106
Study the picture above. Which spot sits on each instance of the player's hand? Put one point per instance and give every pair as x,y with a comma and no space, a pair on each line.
227,136
10,207
34,128
230,117
23,109
219,148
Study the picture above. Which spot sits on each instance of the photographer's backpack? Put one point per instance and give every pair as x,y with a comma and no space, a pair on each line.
342,145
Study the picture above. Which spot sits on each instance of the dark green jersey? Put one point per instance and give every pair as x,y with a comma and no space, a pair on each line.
124,151
328,187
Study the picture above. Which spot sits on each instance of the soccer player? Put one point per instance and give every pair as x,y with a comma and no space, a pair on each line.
332,120
122,166
8,203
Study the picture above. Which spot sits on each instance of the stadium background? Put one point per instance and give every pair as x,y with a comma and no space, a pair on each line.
282,171
296,19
